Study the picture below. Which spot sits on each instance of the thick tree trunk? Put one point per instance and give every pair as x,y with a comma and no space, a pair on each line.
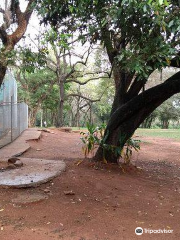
165,124
116,138
78,117
53,118
78,113
32,117
61,104
2,72
32,121
128,116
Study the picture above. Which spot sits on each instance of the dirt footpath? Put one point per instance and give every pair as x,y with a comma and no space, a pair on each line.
86,203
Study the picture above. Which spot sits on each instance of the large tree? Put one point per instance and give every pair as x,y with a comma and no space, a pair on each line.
13,25
34,89
139,37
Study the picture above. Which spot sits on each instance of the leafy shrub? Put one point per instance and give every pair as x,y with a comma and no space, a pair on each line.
95,137
127,150
92,138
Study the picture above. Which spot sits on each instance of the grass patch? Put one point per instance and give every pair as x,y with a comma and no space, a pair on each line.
164,133
77,128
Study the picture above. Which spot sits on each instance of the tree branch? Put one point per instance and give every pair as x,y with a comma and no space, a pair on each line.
83,83
86,98
135,88
152,98
3,35
22,20
66,76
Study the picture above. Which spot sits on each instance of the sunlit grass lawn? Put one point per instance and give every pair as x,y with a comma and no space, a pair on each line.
164,133
79,128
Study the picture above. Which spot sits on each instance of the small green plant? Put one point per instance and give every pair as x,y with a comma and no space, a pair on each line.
95,137
92,138
127,150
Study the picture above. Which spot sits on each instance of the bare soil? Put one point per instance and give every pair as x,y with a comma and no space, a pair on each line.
108,203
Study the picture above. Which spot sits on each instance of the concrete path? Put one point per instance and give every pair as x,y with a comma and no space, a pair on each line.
20,145
33,173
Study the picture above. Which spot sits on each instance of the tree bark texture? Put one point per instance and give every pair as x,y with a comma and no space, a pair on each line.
10,40
61,104
127,115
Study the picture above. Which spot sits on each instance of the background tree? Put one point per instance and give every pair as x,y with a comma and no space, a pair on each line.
34,89
39,86
13,25
147,123
157,77
167,111
83,99
67,64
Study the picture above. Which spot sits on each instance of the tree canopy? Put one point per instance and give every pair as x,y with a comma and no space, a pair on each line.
140,36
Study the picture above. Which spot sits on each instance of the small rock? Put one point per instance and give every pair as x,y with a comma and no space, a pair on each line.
47,191
140,213
161,197
18,163
13,160
69,192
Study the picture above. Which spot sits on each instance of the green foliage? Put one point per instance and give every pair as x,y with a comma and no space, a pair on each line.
31,61
38,90
57,39
36,83
168,111
145,28
92,138
95,137
128,149
103,108
165,115
148,42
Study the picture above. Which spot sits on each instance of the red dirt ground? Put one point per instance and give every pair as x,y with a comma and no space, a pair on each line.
108,204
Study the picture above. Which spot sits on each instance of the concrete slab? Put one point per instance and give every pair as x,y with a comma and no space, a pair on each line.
31,134
33,173
20,145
